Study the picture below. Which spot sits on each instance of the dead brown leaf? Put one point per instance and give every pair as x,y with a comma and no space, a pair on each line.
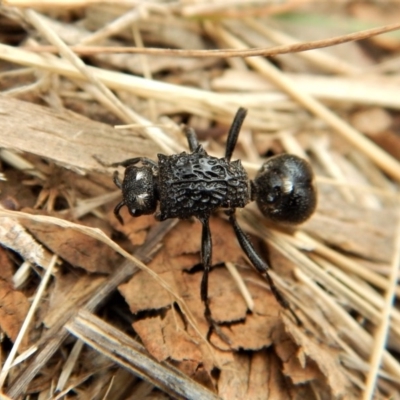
265,378
165,337
145,294
6,266
69,291
13,309
135,229
307,359
180,253
173,263
254,334
164,331
74,247
12,192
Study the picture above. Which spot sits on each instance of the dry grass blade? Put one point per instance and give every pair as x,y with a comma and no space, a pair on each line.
346,263
381,334
28,320
69,365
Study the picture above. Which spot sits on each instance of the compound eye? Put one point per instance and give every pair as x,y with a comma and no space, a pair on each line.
284,189
135,212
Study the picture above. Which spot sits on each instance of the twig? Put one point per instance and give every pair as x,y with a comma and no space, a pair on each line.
225,53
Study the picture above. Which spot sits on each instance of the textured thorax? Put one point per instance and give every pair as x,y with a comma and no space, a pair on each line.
196,184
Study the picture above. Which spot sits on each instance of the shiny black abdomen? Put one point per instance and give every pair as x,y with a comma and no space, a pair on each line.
196,184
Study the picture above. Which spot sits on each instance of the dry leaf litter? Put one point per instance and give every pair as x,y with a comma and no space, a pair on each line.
91,309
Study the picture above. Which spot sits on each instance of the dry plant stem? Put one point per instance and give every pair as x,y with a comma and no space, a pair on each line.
292,145
368,304
69,365
56,3
42,26
27,321
125,113
88,205
382,332
125,21
365,341
131,355
322,60
16,72
187,98
389,164
109,388
51,341
77,382
344,262
335,314
375,91
209,104
228,53
145,68
360,340
15,237
19,162
240,284
22,274
281,242
243,8
23,356
386,193
19,91
234,8
319,147
374,176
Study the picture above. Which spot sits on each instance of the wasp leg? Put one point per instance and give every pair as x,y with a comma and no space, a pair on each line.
206,256
234,132
191,138
116,211
259,264
133,161
116,180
